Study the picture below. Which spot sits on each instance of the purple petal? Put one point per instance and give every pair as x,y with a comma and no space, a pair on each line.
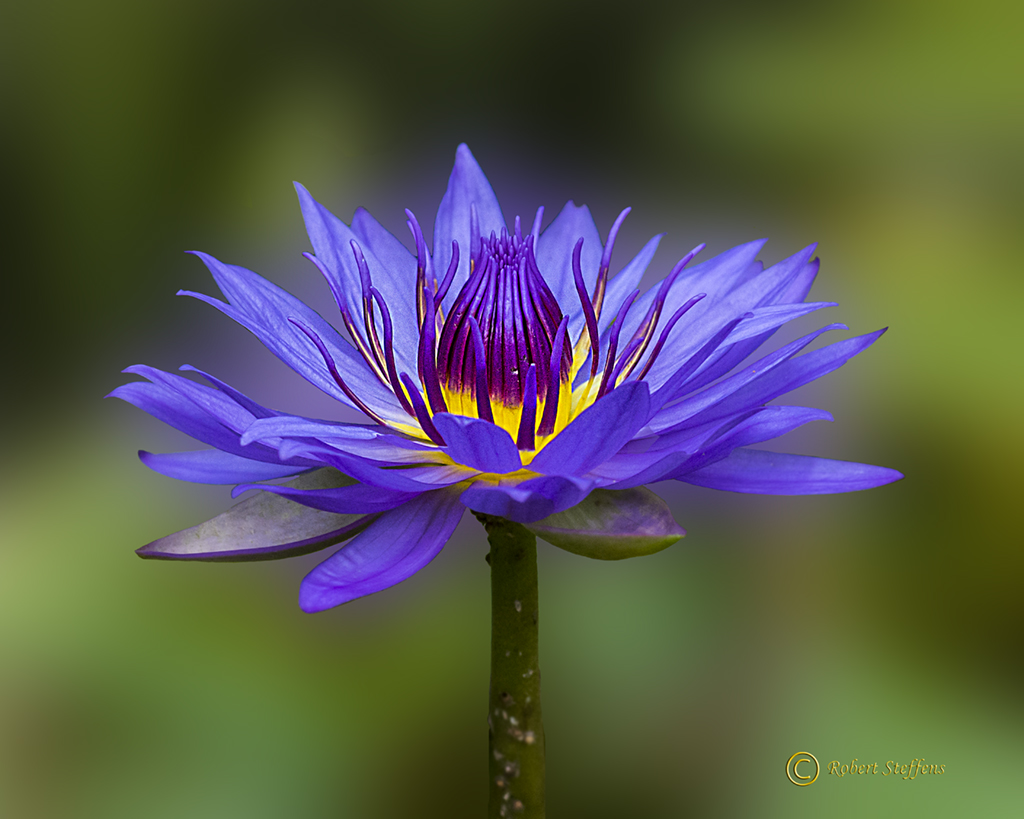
413,479
214,466
393,271
330,238
263,527
717,277
239,398
787,376
597,433
396,546
316,438
195,409
554,259
722,305
626,281
215,403
762,425
528,500
612,525
754,333
773,473
467,187
765,319
703,406
478,444
354,498
265,310
387,450
283,426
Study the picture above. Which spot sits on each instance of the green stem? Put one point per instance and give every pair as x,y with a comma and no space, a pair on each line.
516,758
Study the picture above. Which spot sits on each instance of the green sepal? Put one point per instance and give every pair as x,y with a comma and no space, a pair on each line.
264,527
612,525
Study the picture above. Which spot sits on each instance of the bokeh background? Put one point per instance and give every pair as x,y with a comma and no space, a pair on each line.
880,626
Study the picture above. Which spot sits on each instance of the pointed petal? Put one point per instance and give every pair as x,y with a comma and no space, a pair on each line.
703,406
626,281
283,426
554,259
597,433
397,264
755,428
773,382
721,306
199,411
239,398
216,467
353,498
396,546
393,271
330,238
785,306
478,444
765,319
612,525
264,309
263,527
312,438
773,473
467,187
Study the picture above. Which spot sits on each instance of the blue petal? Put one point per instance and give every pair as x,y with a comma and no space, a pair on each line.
467,187
772,473
597,433
215,466
717,277
393,272
751,428
394,547
529,500
413,479
702,406
264,309
283,426
735,352
239,398
764,319
771,382
317,438
554,259
330,239
478,444
357,498
626,281
387,450
215,403
199,411
714,312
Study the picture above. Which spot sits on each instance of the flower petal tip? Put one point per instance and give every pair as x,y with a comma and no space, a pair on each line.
314,599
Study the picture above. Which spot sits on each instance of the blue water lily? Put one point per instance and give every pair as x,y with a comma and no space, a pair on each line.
506,372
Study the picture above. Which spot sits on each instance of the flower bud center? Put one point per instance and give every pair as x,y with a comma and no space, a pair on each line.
518,317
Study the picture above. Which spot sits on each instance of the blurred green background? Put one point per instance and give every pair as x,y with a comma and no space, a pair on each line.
884,625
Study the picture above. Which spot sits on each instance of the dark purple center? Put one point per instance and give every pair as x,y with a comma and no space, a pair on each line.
518,317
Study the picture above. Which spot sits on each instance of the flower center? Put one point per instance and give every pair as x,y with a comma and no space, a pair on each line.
503,354
518,318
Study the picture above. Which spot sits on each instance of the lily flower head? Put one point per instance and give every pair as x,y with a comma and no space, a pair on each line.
505,371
